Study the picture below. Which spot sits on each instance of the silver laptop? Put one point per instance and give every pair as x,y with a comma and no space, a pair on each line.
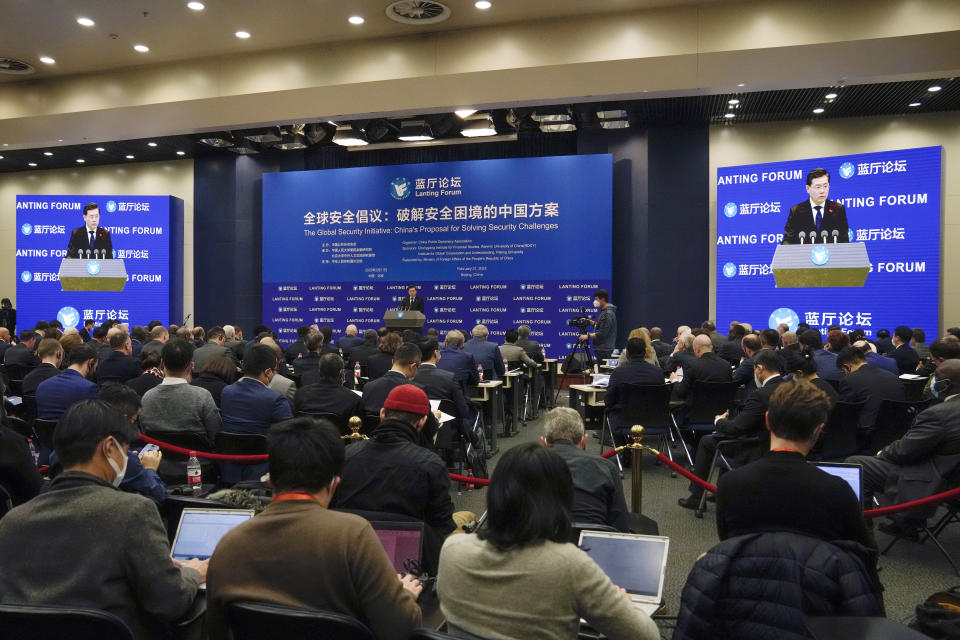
633,562
200,530
851,473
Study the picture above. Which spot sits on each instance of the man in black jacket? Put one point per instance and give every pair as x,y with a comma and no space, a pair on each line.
530,347
732,349
661,348
905,355
862,381
406,362
636,371
21,355
707,368
439,384
749,422
120,365
308,362
682,355
51,355
322,390
298,348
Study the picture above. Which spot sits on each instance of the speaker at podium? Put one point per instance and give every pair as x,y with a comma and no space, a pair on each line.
92,274
395,320
821,265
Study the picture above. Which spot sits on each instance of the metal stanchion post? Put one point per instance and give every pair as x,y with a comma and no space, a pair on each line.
636,473
354,423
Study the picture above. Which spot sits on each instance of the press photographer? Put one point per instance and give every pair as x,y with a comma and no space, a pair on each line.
605,332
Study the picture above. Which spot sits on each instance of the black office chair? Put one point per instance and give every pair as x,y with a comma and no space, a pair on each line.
707,400
914,388
647,405
240,444
839,438
173,466
44,432
340,422
576,528
15,374
28,407
49,622
893,420
21,426
250,620
726,451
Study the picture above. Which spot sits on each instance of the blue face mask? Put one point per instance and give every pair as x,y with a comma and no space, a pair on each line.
935,390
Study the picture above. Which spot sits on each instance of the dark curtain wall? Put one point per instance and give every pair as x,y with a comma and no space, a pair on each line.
228,215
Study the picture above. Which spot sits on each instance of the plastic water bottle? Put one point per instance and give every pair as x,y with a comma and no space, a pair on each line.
543,352
505,367
340,349
194,477
356,374
34,453
679,374
480,371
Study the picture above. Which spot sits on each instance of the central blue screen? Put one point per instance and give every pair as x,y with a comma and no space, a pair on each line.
498,242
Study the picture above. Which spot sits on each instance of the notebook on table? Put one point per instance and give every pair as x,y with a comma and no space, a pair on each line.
634,562
403,542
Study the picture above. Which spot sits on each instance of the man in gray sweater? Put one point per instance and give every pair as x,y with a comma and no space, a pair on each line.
99,548
174,404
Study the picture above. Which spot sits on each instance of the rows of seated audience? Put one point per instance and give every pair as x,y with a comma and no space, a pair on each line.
103,385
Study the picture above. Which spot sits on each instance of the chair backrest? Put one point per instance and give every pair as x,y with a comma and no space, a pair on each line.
839,439
49,622
913,389
647,405
893,420
250,620
710,399
192,440
44,430
240,444
28,407
21,426
576,528
340,422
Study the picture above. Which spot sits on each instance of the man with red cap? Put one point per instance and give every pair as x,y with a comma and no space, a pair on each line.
392,473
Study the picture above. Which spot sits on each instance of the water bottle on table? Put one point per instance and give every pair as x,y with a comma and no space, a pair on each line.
194,476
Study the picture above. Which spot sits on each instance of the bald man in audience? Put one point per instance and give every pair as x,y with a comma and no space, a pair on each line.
349,340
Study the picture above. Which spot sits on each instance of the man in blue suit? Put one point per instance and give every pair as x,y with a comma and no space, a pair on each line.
248,405
56,394
485,353
460,363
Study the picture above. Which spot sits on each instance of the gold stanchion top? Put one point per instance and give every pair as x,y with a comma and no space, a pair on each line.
355,423
636,433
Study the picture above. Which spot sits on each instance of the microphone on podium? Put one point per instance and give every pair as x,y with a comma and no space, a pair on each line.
835,233
803,234
88,254
823,234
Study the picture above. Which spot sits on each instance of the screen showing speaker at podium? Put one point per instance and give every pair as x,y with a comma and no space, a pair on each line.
851,241
83,257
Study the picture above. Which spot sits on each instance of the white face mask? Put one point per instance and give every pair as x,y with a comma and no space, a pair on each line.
117,469
596,303
757,381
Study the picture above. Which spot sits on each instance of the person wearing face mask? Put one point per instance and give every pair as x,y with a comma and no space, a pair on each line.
920,463
322,390
749,422
604,334
116,555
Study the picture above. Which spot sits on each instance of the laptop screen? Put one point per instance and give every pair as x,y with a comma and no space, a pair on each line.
200,530
402,542
635,563
848,472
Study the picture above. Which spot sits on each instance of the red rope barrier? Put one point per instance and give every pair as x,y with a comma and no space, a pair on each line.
205,454
470,480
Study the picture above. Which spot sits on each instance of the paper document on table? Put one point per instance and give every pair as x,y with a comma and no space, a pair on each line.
600,380
910,376
358,392
434,405
445,417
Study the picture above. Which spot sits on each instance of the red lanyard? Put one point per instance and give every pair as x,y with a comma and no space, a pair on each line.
293,495
786,450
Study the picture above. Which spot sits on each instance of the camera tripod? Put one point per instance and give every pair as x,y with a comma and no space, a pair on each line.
582,346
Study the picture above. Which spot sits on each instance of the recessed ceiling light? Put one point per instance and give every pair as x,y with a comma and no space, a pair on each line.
31,164
48,153
81,160
355,20
242,34
151,144
59,139
196,6
482,4
142,48
465,113
914,104
830,96
87,22
818,110
100,149
181,153
129,157
733,101
935,87
47,60
740,84
729,115
1,157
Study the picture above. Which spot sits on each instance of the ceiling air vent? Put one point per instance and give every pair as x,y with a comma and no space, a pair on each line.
14,66
418,11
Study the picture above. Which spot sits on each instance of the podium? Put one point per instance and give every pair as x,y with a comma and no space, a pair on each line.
821,265
78,274
399,320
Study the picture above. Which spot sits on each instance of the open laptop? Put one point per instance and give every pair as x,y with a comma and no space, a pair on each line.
200,530
633,562
403,542
600,380
851,473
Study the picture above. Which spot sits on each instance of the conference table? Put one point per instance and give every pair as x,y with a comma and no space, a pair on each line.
491,396
549,371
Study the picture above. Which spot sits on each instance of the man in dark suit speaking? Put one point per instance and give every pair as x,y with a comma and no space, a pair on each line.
814,216
412,302
91,236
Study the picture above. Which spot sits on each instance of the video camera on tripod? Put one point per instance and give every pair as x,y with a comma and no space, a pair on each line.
582,322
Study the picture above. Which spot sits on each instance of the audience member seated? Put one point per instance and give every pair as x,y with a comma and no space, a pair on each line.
648,355
486,354
198,337
104,350
18,472
875,359
326,331
801,366
812,341
904,355
216,339
460,363
751,499
919,464
349,339
406,363
940,351
440,385
174,404
5,341
248,405
597,487
512,352
732,349
884,344
862,381
235,341
661,348
310,360
21,354
919,343
114,555
151,375
361,353
298,348
682,356
531,347
391,472
789,342
217,373
282,382
328,560
519,577
158,337
743,374
75,383
381,361
323,391
636,371
70,340
51,357
120,365
141,475
750,422
708,367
